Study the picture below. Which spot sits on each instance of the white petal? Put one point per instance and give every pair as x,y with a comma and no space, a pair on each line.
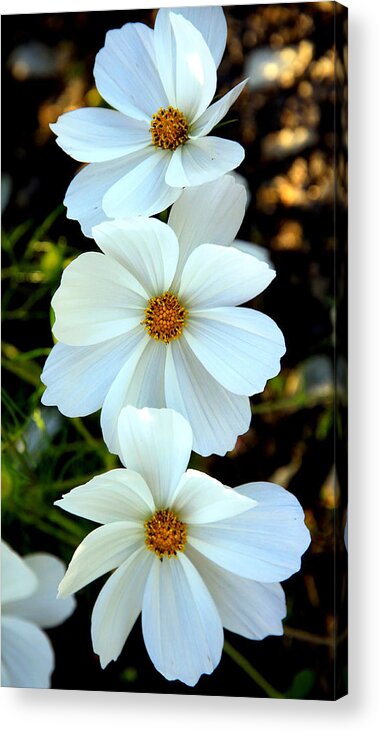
202,160
119,605
211,23
157,444
180,623
202,499
215,276
264,544
17,579
103,549
125,72
185,65
255,250
252,609
142,190
43,608
241,348
79,377
98,299
208,214
118,495
85,193
216,416
94,135
212,116
146,248
27,655
139,383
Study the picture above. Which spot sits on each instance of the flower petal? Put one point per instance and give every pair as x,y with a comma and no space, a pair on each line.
78,377
185,65
103,549
119,605
26,653
157,444
203,159
211,23
241,348
212,116
97,300
142,190
126,74
208,214
215,276
251,609
17,579
264,544
43,608
216,416
118,495
94,135
255,250
202,499
146,248
180,623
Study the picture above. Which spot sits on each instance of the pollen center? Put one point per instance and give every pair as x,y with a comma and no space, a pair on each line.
165,535
169,128
164,317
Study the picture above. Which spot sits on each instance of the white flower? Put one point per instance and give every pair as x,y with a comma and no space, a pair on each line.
155,142
152,322
28,603
189,553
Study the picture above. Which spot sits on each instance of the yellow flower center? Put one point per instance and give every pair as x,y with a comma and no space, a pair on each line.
164,317
169,128
165,535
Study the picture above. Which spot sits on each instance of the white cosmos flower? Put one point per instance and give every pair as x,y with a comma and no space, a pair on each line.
189,553
142,153
28,603
152,322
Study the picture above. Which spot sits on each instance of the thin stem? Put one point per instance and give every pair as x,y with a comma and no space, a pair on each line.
246,666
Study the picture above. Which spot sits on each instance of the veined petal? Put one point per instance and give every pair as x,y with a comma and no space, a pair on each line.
157,444
97,300
264,544
203,159
17,579
118,495
146,248
26,654
118,606
42,607
212,116
241,348
202,499
78,377
94,135
214,276
255,250
142,190
208,214
185,65
125,72
210,21
251,609
216,416
180,623
139,383
103,549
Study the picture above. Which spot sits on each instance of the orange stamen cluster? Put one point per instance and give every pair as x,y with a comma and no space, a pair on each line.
169,128
164,317
165,535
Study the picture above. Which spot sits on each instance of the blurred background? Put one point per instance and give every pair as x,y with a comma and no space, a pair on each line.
292,121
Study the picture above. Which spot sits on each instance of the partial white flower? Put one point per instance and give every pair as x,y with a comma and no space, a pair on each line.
28,603
189,553
152,322
155,142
